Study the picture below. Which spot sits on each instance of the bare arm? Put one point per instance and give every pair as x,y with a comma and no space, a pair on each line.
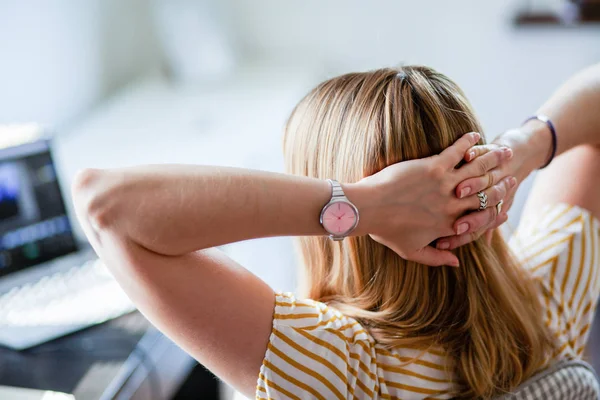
573,176
154,226
176,209
575,111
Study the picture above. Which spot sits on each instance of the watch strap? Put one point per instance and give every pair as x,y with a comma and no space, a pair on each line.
336,189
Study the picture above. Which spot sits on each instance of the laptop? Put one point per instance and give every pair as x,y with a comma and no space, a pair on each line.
50,285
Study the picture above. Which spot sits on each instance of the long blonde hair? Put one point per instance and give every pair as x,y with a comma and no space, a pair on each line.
486,314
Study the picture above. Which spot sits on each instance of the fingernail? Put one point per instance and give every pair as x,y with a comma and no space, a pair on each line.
443,245
455,264
462,228
476,136
464,192
512,181
508,153
471,155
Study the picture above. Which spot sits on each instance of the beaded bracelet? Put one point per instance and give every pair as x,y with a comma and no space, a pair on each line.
546,120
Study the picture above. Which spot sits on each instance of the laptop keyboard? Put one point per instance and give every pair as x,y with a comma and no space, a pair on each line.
81,296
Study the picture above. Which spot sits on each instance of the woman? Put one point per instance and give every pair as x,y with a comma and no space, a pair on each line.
377,325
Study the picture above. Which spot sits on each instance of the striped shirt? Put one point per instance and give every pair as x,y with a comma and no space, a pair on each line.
314,351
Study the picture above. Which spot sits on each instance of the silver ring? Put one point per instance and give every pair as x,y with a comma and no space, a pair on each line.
483,201
499,207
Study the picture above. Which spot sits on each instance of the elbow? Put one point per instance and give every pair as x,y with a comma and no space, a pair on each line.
92,198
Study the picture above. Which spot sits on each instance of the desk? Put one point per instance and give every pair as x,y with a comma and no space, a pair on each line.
123,359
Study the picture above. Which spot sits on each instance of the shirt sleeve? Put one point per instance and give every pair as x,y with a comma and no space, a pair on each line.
559,245
315,352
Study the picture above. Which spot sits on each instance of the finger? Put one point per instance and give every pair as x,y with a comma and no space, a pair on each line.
477,184
510,198
479,150
435,257
494,194
452,242
475,222
481,165
506,205
453,155
501,219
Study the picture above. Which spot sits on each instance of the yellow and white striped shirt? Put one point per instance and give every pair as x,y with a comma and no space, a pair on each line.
315,351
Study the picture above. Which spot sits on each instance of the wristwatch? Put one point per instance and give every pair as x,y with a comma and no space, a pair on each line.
339,216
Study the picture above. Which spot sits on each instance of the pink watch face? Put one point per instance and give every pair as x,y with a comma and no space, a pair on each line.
339,218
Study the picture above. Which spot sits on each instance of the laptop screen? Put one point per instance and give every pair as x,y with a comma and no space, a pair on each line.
34,226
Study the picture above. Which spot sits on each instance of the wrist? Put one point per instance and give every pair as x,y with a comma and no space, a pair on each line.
538,141
363,196
531,147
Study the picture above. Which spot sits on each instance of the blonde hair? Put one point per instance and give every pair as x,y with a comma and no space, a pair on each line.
486,314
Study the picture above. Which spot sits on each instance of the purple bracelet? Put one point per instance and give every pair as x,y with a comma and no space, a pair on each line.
543,118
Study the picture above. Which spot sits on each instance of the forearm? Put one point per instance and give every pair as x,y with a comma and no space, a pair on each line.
574,109
575,112
176,209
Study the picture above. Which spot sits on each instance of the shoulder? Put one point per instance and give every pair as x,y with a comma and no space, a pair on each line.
560,246
554,231
314,316
309,324
316,350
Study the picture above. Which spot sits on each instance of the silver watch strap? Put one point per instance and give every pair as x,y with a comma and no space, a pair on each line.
336,189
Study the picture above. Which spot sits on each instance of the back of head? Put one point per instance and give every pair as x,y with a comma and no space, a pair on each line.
485,314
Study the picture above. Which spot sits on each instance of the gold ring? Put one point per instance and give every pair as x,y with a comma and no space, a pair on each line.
499,207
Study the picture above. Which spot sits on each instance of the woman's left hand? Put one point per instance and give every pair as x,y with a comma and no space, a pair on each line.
520,166
409,205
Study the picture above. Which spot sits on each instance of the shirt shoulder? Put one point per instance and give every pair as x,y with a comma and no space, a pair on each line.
315,351
559,246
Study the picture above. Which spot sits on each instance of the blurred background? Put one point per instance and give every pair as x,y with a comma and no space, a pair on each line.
122,82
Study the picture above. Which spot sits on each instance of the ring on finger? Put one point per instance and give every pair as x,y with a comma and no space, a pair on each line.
499,207
483,200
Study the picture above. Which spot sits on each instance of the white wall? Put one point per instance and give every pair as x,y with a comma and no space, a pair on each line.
506,71
60,57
